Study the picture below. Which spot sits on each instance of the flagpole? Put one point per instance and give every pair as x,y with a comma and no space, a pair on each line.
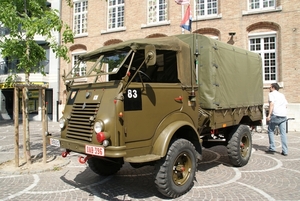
182,14
185,24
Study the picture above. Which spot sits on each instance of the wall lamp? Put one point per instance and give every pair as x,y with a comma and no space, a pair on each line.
231,41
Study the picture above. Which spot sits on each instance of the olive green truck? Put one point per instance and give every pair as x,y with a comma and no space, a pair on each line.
160,102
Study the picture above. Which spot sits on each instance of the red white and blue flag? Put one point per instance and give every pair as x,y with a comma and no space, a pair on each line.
186,22
182,2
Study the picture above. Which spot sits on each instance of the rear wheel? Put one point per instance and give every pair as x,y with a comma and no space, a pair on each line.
239,146
105,167
175,173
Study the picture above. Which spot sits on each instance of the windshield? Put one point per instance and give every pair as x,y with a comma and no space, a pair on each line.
118,64
100,66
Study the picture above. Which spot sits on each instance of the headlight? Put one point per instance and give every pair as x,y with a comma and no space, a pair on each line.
62,123
99,126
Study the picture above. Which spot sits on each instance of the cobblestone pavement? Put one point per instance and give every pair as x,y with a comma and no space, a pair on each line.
265,177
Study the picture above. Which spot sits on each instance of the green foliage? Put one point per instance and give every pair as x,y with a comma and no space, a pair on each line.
10,80
26,19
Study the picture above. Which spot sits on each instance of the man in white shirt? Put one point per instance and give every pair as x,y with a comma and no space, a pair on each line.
277,117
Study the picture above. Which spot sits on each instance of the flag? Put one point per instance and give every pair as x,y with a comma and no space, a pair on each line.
186,22
182,2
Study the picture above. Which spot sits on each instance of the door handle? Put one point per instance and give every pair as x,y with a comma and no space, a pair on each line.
178,99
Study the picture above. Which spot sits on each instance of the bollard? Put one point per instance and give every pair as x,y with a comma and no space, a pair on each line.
287,124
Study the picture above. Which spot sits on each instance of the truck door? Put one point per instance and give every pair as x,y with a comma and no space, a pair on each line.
145,107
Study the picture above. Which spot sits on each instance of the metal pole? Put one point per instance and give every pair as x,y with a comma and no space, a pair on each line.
182,14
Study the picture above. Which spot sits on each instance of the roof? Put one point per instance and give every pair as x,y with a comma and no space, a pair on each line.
163,43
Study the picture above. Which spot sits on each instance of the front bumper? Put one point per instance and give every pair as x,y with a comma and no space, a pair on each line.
79,147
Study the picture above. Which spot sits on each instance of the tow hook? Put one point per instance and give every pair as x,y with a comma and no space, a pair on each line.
83,160
65,153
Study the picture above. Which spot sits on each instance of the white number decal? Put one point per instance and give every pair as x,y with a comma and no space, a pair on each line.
132,93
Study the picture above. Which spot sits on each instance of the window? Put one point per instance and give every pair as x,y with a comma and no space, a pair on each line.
261,4
3,30
206,8
10,66
80,17
79,69
3,68
43,66
213,37
266,47
115,14
157,11
45,63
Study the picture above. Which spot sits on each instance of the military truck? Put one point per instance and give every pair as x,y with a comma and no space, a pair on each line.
160,102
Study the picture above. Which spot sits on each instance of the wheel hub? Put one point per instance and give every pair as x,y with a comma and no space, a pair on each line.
244,145
182,169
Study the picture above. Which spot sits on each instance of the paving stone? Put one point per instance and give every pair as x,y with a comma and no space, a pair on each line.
265,177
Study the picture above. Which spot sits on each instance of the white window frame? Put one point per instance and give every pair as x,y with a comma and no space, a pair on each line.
118,20
264,52
80,18
214,37
206,8
81,71
261,4
261,9
157,13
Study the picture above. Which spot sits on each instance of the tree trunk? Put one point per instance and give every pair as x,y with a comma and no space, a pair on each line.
42,91
24,124
16,119
26,131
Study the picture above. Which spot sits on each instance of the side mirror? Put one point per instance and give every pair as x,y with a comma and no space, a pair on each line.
150,55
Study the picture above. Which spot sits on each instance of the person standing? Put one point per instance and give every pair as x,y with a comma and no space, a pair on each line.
277,117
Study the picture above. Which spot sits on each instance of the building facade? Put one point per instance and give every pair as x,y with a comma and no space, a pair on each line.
267,27
51,68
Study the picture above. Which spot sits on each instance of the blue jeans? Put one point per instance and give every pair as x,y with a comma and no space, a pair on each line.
281,123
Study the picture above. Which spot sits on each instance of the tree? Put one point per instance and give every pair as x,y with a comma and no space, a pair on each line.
25,19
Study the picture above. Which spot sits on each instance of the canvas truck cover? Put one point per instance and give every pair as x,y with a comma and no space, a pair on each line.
228,76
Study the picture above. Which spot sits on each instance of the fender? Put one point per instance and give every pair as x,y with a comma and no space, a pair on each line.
161,145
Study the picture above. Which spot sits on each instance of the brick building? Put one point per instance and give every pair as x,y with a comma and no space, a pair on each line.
268,27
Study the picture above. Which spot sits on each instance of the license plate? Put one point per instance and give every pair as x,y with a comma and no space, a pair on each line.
54,142
92,150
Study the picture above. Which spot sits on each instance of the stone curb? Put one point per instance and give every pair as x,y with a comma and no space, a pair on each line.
20,171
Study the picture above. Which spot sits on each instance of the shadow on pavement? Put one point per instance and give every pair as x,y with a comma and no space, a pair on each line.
136,183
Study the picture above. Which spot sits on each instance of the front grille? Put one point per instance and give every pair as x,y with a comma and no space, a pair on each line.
81,123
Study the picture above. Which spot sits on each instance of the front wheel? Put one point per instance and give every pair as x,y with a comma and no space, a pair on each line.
239,146
176,171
